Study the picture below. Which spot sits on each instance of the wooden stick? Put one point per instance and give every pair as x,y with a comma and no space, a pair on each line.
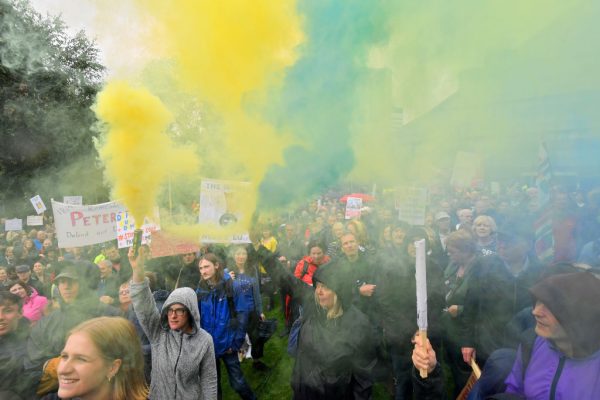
475,368
423,343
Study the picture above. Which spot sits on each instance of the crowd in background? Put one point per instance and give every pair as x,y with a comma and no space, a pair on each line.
346,289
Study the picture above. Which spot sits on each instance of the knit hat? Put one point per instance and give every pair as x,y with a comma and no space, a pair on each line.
573,300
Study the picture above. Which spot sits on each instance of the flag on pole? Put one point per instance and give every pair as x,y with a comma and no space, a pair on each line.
543,178
544,237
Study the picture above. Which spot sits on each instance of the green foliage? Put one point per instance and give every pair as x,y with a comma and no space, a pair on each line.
48,81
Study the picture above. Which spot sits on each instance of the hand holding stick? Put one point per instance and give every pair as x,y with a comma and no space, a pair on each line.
423,356
137,264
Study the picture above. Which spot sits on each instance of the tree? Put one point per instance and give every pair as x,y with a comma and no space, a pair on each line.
48,82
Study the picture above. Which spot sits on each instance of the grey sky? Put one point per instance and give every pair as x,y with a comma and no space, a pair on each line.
114,24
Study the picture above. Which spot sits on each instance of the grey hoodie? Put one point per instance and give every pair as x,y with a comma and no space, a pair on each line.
183,364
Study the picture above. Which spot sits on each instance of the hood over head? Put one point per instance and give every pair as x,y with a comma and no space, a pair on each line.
331,277
187,297
573,299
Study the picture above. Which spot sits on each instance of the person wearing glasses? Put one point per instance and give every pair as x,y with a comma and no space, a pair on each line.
183,356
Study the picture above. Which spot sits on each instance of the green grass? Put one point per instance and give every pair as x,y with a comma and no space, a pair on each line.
272,384
275,383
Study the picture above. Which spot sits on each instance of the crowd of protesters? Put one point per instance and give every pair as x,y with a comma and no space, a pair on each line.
520,305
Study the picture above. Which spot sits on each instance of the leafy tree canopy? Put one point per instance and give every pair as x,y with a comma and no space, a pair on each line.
48,81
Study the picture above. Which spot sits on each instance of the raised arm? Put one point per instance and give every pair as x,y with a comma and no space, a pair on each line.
142,299
281,275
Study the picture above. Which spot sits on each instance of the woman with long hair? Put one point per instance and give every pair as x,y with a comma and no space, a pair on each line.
34,305
102,359
246,282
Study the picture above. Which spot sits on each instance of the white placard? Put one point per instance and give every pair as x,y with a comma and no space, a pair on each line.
73,200
411,203
35,220
78,226
126,228
38,204
221,205
353,206
15,224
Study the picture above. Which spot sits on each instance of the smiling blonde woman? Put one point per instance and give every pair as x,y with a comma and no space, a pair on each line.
102,359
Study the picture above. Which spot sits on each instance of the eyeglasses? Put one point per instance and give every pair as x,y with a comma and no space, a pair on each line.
177,311
124,291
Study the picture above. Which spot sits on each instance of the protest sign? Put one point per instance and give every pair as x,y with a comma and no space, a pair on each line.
221,205
15,224
353,206
74,200
78,226
126,228
38,204
35,220
467,168
411,203
164,244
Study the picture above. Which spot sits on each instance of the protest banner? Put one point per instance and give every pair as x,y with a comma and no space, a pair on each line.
35,220
221,205
74,200
15,224
411,203
126,228
38,204
163,244
353,206
78,226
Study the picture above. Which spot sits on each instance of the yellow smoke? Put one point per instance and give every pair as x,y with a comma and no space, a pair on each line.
232,55
137,153
228,57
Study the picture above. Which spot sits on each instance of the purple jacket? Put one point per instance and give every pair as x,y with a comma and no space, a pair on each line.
552,375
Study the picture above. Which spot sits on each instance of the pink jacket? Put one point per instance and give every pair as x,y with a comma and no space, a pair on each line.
33,308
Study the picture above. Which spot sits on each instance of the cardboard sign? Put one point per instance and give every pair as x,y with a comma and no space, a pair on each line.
15,224
74,200
411,203
126,228
78,226
35,220
163,245
38,204
353,206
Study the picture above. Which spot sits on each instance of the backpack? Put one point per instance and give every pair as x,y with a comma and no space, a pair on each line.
294,337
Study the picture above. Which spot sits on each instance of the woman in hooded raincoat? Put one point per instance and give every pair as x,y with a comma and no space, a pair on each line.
335,348
183,356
